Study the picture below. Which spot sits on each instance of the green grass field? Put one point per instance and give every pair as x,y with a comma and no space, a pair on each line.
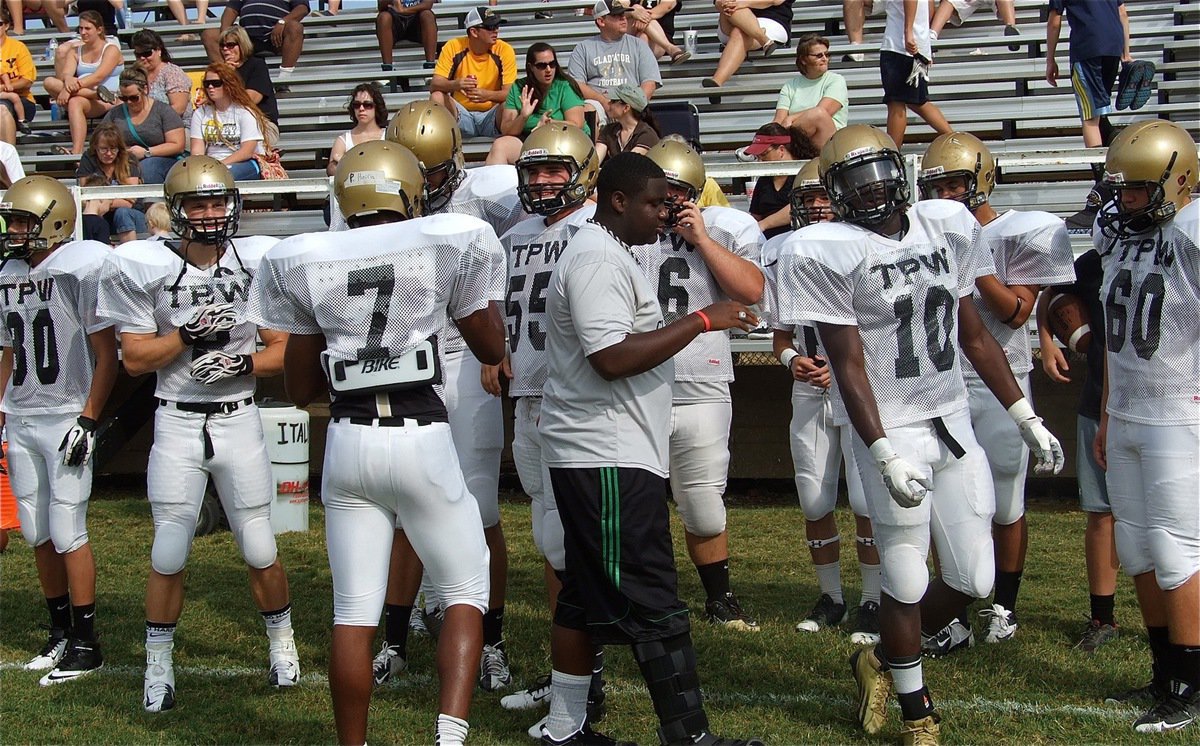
779,684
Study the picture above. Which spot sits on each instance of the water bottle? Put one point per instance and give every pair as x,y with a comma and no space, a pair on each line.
322,118
54,111
128,16
51,48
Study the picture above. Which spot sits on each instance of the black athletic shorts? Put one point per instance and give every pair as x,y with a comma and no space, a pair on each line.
894,69
620,581
405,27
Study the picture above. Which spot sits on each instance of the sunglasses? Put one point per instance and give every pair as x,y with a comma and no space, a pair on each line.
819,55
230,45
364,105
130,99
144,53
551,65
213,83
106,149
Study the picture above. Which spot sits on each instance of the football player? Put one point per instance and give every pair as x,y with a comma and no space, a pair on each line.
490,194
179,306
605,428
888,277
1149,436
1030,250
820,438
365,310
58,367
700,258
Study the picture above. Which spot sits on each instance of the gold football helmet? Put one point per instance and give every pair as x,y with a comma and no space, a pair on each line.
1157,156
566,144
807,188
201,176
432,134
864,175
684,169
44,210
379,176
963,155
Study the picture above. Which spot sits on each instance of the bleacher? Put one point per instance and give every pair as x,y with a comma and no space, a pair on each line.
980,84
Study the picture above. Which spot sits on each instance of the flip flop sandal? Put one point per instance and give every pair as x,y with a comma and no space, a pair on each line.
1146,88
1133,76
681,56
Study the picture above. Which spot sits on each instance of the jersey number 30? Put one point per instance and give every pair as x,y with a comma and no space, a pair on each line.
45,348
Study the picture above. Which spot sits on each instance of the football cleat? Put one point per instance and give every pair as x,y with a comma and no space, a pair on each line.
81,658
708,739
595,713
1001,624
158,688
534,695
285,663
51,653
387,663
923,732
874,688
1096,634
585,736
416,624
826,613
1178,709
493,668
954,636
1142,696
433,621
866,625
728,612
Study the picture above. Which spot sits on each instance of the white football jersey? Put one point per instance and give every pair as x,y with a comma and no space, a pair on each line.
490,194
382,290
147,288
684,284
901,294
533,250
48,313
1151,294
768,260
1028,248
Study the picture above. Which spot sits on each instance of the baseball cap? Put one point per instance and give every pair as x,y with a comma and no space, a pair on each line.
605,7
484,16
762,143
631,95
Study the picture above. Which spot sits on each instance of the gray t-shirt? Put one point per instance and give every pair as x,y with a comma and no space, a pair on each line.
606,65
161,120
598,296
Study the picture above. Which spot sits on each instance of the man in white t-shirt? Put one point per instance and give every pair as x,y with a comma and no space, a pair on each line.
904,60
10,162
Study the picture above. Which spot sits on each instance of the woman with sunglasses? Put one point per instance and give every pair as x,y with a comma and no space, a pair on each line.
151,129
228,126
167,81
108,159
814,101
84,90
369,113
238,52
546,93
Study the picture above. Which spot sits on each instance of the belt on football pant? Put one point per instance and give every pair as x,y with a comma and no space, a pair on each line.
943,433
383,421
207,408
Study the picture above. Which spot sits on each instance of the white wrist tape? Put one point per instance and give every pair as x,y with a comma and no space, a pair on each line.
787,356
1021,410
881,450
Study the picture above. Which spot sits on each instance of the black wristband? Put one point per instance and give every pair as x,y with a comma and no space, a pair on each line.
1016,311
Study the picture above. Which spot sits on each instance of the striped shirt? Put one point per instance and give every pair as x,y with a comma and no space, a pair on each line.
259,16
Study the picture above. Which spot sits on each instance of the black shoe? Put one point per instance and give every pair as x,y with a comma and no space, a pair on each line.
727,612
428,64
1081,222
827,613
1012,31
24,128
956,635
1096,634
708,739
1142,696
866,624
586,737
1178,709
82,657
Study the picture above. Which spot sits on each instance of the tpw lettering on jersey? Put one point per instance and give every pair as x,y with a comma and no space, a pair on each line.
935,262
679,244
1163,251
203,295
550,250
42,289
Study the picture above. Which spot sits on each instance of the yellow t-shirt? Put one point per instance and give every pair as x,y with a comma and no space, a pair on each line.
16,61
488,75
712,196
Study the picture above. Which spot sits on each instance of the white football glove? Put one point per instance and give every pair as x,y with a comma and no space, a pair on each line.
218,366
79,443
1042,443
920,71
207,321
903,480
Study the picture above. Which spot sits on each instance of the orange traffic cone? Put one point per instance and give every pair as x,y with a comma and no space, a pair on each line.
9,520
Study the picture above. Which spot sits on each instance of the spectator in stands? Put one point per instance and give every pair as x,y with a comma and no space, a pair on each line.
369,113
229,127
631,127
108,10
644,23
167,81
273,27
546,93
611,58
854,17
11,169
746,25
1099,43
92,211
152,131
335,7
956,11
904,60
815,101
406,20
238,52
54,11
180,14
158,222
89,77
108,158
772,199
474,74
17,74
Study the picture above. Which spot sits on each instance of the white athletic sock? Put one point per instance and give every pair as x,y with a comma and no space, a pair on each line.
451,731
568,704
285,73
907,677
160,634
829,577
872,582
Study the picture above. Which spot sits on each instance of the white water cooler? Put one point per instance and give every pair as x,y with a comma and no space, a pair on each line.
286,431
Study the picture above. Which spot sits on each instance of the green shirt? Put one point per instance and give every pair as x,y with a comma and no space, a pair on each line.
557,101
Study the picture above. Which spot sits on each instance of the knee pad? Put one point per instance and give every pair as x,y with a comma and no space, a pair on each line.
251,529
68,526
905,575
1010,497
33,537
1174,561
172,545
473,592
978,572
815,544
702,512
1133,549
